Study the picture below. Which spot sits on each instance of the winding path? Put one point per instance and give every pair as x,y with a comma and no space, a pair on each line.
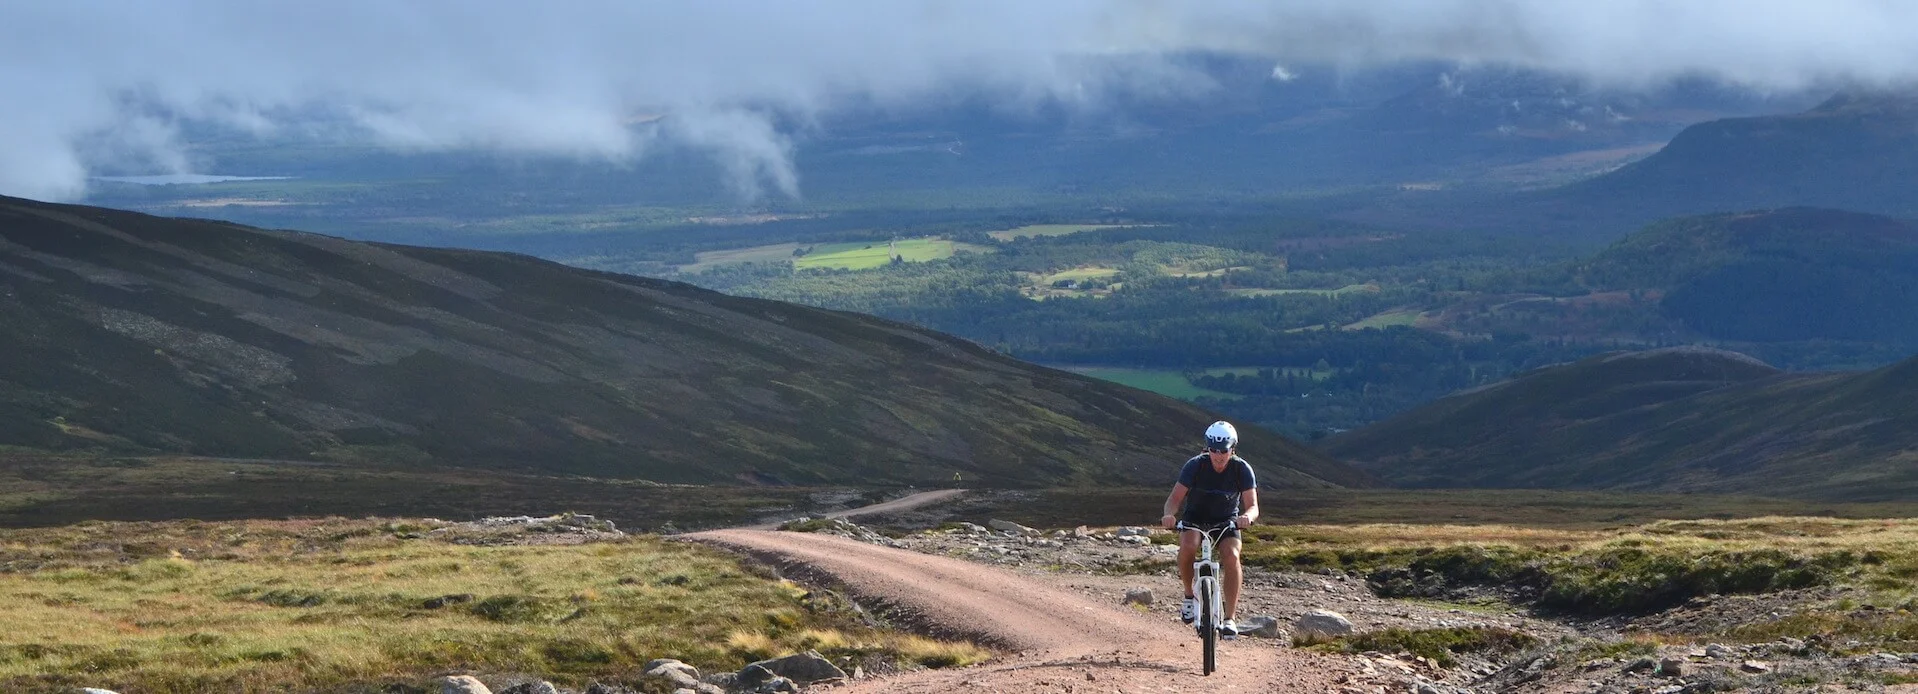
1054,639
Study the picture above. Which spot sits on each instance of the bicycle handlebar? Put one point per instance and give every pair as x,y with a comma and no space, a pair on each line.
1182,525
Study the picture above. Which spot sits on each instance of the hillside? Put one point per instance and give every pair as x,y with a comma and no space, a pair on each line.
1787,274
128,334
1854,151
1682,419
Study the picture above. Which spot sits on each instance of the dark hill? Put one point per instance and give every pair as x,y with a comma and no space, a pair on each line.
125,333
1857,152
1790,274
1670,420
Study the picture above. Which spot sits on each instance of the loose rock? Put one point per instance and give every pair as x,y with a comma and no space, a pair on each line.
1138,596
802,668
462,684
1319,625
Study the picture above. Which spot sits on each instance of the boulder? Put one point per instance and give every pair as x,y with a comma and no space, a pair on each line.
533,687
1755,666
1717,651
597,688
1260,625
1136,540
1133,531
803,668
658,663
91,690
1671,667
1081,532
679,675
1137,596
462,684
1010,527
1641,665
1321,625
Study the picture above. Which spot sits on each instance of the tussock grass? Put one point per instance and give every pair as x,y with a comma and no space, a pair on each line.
1635,569
342,605
1440,645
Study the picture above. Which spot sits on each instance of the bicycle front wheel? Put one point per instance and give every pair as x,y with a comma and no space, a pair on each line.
1208,627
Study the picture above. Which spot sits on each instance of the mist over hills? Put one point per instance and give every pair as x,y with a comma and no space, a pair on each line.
1686,419
134,334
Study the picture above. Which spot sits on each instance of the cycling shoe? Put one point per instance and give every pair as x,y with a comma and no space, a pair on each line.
1189,612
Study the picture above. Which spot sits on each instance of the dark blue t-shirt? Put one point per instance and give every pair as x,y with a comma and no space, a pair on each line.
1213,496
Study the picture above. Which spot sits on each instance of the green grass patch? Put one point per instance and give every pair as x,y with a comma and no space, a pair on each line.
1406,317
329,605
868,255
1440,645
1161,381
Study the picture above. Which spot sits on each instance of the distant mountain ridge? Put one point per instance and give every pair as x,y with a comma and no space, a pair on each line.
1855,151
1683,419
126,333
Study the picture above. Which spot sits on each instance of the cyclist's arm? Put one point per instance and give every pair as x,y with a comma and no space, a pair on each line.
1172,503
1250,499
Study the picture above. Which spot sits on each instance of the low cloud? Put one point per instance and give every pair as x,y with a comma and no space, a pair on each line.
92,83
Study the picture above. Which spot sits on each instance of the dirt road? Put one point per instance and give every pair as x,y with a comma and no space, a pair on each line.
1053,639
900,504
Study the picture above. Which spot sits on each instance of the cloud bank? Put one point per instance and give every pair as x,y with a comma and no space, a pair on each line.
87,83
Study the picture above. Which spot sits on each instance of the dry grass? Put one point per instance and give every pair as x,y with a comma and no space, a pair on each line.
338,604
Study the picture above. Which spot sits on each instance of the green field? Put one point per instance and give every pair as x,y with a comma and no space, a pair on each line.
732,256
1404,316
1162,381
867,255
1051,230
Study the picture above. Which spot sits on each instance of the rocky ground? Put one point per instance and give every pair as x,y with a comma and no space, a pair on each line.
1665,653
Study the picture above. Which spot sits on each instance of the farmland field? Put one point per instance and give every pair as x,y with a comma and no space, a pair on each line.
1405,317
1347,289
1162,381
867,255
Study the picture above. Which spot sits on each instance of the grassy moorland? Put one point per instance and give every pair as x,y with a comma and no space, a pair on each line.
379,605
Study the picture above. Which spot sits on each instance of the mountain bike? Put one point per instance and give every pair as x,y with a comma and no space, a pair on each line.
1206,589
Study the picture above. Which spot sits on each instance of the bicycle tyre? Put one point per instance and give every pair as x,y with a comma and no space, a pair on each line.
1208,628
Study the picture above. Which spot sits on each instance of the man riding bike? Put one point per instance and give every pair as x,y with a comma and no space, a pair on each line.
1214,487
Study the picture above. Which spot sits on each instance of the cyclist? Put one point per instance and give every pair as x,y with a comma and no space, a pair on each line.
1214,486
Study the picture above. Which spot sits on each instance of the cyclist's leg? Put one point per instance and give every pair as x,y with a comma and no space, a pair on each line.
1229,566
1188,553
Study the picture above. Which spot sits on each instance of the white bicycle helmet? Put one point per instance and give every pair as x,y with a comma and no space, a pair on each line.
1221,436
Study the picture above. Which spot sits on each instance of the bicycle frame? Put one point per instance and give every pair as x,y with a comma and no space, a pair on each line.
1207,586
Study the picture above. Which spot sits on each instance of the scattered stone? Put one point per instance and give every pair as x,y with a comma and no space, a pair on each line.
1671,667
802,668
1010,527
462,684
1888,658
679,676
1717,652
91,690
1132,531
1641,665
1089,677
658,663
1754,666
973,528
1138,596
1136,539
1318,625
1081,532
1426,688
597,688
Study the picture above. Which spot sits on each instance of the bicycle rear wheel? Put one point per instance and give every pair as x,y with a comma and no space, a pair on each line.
1208,627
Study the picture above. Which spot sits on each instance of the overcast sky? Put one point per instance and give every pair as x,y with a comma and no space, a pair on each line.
85,83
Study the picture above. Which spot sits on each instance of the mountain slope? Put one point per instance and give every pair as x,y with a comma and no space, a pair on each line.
130,333
1787,274
1857,152
1672,420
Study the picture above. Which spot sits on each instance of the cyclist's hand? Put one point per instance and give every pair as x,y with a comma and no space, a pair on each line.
1169,521
1243,521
